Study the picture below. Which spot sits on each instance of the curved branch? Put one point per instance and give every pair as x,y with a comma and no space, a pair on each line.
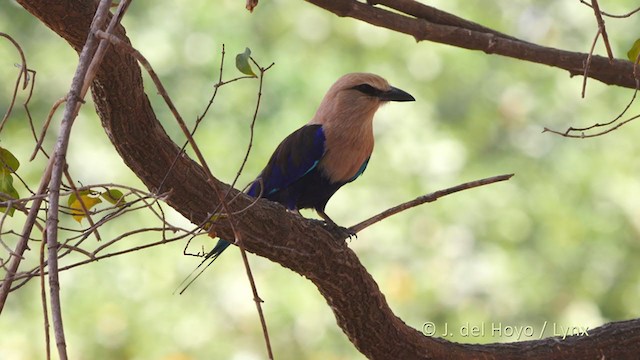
303,246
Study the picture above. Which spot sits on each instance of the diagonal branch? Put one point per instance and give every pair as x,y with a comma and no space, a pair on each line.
425,23
426,199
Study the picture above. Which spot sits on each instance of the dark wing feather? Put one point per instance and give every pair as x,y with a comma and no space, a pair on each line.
297,155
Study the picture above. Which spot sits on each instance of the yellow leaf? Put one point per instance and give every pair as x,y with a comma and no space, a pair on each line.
633,52
89,201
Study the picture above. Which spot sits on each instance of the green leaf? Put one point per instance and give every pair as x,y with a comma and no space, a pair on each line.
114,196
6,186
632,54
8,161
89,199
242,62
8,165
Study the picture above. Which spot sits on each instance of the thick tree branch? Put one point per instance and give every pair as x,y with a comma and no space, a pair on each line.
301,245
426,23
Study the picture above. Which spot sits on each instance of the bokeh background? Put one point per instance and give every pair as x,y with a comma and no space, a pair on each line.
556,245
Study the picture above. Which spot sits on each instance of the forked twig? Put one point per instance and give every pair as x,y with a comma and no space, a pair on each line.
620,16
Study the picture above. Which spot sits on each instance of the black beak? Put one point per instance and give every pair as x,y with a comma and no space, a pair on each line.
395,94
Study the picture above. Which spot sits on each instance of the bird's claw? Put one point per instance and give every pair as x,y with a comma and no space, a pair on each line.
341,231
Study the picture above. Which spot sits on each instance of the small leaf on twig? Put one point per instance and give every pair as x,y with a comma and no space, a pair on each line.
242,63
89,199
6,186
8,165
632,54
114,196
8,161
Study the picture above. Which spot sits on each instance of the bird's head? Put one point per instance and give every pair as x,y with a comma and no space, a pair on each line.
356,97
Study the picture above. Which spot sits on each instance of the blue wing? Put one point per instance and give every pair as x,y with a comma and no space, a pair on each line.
296,156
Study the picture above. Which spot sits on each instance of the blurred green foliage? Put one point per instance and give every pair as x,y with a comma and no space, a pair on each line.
557,244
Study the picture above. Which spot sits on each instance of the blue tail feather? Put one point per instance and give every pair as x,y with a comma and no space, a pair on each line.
221,246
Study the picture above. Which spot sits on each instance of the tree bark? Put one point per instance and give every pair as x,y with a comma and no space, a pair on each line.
301,245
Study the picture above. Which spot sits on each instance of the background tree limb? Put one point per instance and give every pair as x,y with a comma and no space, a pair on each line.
426,23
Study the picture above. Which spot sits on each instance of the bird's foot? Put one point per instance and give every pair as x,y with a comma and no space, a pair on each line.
340,231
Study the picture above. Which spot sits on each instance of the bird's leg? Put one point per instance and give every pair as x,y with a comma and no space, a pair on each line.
295,211
335,227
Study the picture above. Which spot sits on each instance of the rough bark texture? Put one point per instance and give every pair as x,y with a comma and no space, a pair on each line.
303,246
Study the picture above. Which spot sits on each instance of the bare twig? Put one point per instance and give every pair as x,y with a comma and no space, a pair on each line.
199,119
92,257
585,136
22,74
602,29
569,132
89,59
626,15
253,122
45,127
43,296
427,198
587,63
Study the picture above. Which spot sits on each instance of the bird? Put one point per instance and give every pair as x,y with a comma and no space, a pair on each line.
331,150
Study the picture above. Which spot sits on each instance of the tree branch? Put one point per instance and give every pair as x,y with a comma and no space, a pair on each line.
425,23
427,198
304,246
88,57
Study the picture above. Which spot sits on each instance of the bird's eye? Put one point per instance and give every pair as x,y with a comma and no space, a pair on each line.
367,89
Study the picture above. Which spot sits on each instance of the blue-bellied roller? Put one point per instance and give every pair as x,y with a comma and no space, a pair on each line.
331,150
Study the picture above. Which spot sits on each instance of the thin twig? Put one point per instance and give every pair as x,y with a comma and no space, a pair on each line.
602,29
32,273
199,119
45,127
427,198
23,73
587,63
586,136
258,301
253,123
626,15
43,296
582,135
74,101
